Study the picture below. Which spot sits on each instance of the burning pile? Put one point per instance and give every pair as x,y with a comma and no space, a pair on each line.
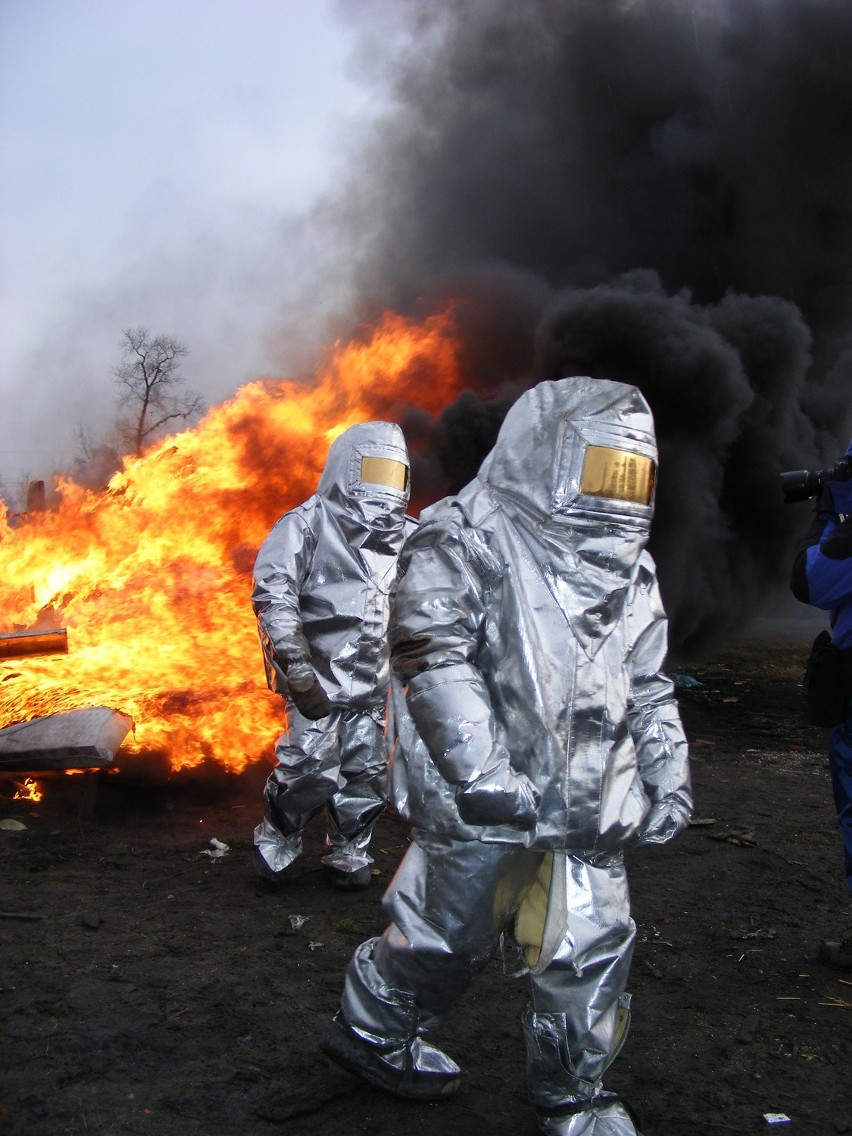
151,577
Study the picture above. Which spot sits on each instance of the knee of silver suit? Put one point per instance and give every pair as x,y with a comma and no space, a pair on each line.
293,798
381,996
560,1070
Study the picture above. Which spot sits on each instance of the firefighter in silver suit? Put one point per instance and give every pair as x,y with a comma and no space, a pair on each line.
541,738
322,587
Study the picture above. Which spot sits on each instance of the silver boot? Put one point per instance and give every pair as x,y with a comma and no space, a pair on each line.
346,862
603,1115
273,851
407,1067
565,1080
377,1034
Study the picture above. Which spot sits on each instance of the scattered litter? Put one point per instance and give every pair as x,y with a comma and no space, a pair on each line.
652,935
10,825
701,822
687,682
298,921
759,933
776,1118
217,850
315,946
23,915
740,837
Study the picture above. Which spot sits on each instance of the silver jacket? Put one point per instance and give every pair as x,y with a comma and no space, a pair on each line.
529,633
324,575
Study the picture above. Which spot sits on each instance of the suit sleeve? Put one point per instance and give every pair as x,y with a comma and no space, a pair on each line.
654,718
822,568
435,631
280,570
438,623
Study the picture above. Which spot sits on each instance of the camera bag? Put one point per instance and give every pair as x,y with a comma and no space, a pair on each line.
828,682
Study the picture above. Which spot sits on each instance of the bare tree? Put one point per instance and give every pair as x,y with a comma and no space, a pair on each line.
148,376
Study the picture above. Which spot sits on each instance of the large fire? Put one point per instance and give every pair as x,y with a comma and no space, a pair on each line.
151,576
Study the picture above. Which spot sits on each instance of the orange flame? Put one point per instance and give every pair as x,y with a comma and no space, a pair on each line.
152,576
28,790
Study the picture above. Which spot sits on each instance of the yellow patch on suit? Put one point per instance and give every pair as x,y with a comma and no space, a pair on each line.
532,913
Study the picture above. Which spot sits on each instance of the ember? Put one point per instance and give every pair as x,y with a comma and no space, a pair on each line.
27,790
151,576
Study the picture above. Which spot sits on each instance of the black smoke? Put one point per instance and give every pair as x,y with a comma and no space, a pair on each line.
656,191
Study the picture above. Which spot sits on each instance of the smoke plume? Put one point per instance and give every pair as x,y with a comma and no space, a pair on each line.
656,191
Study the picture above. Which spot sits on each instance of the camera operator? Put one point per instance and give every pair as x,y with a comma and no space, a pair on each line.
822,576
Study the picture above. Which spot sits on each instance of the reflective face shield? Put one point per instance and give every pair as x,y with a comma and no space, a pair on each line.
385,472
619,475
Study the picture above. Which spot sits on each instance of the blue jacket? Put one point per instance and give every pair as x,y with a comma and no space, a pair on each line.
822,569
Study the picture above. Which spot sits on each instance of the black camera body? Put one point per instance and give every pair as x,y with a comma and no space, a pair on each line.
802,484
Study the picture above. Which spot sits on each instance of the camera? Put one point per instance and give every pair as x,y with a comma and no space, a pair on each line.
800,484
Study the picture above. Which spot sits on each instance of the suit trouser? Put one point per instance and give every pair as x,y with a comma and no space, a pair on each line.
337,763
449,902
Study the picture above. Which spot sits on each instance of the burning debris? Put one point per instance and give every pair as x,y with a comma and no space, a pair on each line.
79,739
19,644
27,790
152,576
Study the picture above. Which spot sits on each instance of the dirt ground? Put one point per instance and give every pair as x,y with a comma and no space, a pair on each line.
149,988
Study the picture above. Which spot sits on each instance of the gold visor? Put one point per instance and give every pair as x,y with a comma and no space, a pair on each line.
385,471
618,474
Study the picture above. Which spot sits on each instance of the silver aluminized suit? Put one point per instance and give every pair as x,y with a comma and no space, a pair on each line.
322,586
543,737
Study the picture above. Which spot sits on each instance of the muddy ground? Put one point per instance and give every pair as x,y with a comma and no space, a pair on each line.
147,988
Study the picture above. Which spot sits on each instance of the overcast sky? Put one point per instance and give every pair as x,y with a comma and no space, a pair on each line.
153,154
